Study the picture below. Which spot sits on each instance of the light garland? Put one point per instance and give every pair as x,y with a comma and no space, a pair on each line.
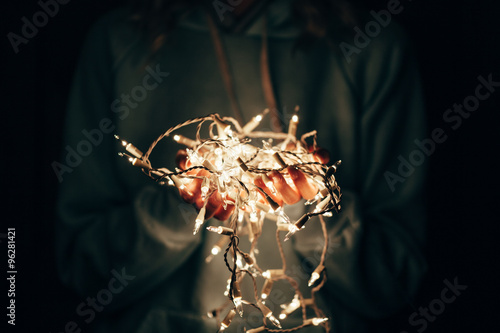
252,183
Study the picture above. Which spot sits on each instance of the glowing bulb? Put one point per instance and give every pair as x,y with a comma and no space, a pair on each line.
268,314
314,278
237,298
315,275
238,305
266,289
292,127
204,192
252,124
321,206
228,131
273,273
281,214
227,320
297,226
315,321
215,250
313,200
185,141
291,231
221,230
239,263
199,220
194,157
275,321
130,147
254,217
257,330
289,308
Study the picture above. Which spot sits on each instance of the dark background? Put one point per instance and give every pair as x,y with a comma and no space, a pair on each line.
456,41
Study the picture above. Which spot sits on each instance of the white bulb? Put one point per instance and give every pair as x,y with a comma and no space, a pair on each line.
238,305
293,229
317,321
314,277
215,250
273,320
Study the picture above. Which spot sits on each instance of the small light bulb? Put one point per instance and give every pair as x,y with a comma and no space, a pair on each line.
221,230
237,298
292,127
238,305
215,250
314,278
227,320
283,216
291,307
315,275
266,289
268,314
130,147
291,231
273,273
321,206
275,321
297,226
199,220
315,321
254,217
204,192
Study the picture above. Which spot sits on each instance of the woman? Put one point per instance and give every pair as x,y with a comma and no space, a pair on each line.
155,64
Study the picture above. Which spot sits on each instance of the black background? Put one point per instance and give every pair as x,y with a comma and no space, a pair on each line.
456,41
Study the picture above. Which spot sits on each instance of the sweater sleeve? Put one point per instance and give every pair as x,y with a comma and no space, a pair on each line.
375,256
104,231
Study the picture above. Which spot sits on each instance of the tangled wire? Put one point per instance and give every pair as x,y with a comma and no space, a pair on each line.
248,184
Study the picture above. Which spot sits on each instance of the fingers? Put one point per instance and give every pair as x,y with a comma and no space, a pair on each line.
192,192
275,196
290,195
181,159
307,190
322,155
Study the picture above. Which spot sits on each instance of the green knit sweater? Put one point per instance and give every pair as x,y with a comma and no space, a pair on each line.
127,242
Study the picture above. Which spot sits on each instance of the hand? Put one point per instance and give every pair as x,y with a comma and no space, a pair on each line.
277,187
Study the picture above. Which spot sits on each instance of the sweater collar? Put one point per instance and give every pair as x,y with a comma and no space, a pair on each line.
279,24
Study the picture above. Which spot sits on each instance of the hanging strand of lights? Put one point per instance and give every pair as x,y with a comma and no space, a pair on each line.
252,183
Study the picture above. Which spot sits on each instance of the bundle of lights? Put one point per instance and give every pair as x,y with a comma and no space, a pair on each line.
252,184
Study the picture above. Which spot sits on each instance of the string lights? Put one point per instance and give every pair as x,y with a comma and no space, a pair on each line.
249,184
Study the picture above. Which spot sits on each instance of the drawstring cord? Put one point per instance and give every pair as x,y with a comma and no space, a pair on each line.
264,70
